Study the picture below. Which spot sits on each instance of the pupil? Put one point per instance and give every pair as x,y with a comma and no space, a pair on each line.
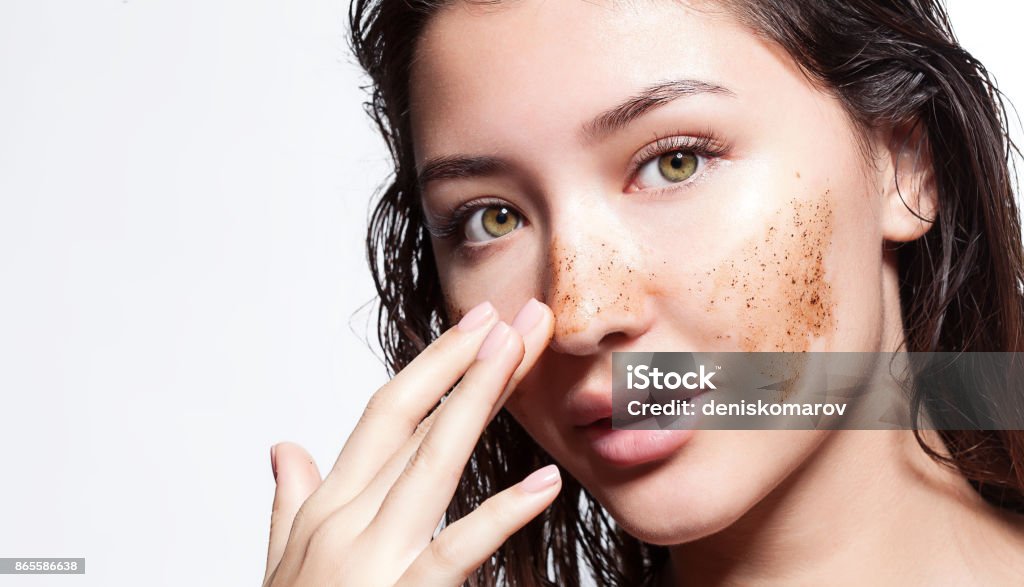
502,216
677,160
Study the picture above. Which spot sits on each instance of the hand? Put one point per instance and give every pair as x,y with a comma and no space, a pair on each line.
372,520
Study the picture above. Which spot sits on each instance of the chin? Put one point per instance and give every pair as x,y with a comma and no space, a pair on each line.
705,488
663,509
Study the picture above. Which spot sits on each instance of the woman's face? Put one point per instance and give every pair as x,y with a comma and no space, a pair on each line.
665,180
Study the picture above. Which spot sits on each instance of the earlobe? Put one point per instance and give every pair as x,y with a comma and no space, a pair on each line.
910,197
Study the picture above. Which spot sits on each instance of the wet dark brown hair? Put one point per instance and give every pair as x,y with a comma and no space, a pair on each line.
890,63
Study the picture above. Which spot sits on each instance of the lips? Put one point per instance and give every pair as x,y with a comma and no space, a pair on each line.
589,408
629,448
590,412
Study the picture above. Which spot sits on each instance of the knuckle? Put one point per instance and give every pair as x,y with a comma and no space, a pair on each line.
379,403
421,431
426,460
448,554
336,533
305,518
420,459
384,406
325,539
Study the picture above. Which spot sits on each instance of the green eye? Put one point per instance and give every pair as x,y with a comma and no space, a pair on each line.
671,167
677,166
491,222
499,221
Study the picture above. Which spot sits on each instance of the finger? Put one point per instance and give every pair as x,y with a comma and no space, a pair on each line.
465,545
297,477
419,497
393,413
380,433
535,323
341,525
357,514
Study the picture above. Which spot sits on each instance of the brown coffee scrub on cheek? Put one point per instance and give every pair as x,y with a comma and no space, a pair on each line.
777,286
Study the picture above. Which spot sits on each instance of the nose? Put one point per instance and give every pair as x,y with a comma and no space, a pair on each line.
597,288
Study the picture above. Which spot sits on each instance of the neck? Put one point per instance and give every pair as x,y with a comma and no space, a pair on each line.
870,506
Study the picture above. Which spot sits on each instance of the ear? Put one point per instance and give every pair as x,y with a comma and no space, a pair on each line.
910,198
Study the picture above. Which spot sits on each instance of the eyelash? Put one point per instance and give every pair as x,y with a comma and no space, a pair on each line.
707,146
448,224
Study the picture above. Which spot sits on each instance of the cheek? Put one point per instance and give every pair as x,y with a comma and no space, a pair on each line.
783,264
776,286
507,278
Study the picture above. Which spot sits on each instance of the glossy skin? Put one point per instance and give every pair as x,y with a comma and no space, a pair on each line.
624,268
777,242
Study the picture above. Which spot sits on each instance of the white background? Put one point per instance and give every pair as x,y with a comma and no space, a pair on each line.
184,187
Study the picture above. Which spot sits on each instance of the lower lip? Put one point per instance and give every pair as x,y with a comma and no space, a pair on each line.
627,448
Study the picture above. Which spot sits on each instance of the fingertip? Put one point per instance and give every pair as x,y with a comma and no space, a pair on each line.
536,340
291,460
477,317
297,477
541,480
500,335
531,318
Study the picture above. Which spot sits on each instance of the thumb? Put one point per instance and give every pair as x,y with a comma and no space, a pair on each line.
297,478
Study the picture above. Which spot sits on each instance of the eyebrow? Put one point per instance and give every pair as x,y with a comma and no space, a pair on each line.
460,166
648,99
608,122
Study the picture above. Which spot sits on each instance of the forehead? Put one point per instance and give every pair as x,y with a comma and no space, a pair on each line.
485,73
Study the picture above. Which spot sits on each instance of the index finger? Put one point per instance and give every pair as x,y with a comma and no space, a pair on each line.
394,411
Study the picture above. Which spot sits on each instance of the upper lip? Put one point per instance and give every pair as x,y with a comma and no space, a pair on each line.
593,403
589,406
590,402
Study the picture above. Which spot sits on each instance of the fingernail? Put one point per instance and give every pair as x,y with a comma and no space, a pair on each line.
540,479
494,341
273,460
528,317
476,317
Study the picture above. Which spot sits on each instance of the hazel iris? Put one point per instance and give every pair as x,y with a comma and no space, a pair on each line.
499,220
677,166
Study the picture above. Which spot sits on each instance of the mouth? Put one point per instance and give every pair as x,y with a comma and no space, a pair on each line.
591,415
